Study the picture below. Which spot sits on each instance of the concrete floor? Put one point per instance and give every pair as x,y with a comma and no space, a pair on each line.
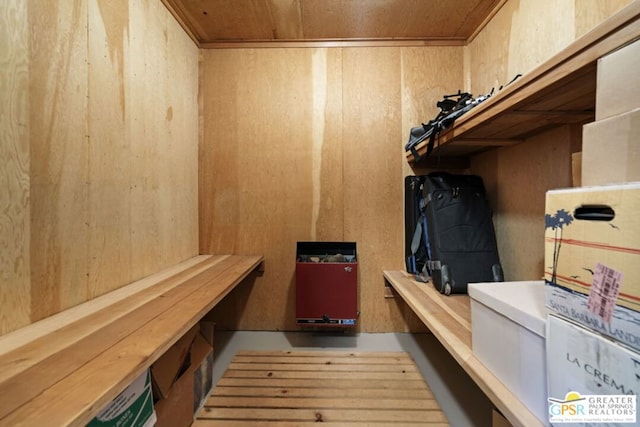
461,400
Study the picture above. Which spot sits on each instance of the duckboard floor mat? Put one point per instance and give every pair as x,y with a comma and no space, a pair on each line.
299,388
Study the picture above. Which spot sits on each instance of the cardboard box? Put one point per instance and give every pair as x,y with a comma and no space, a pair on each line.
207,330
188,392
576,169
177,409
512,315
592,267
618,86
133,407
581,362
165,370
611,150
202,376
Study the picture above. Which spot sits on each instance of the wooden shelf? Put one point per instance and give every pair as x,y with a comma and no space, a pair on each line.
449,319
561,91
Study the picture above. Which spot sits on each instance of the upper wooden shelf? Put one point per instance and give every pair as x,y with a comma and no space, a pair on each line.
560,91
449,319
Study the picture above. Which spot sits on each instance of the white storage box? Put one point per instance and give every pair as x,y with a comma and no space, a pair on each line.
583,363
508,336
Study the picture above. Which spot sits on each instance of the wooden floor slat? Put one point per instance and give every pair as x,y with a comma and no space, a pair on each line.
319,402
296,388
325,375
276,423
332,415
325,353
322,383
396,367
322,360
366,393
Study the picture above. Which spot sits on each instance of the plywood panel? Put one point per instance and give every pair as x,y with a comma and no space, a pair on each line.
427,75
273,20
102,169
386,19
270,168
59,155
316,155
14,166
162,114
524,34
374,191
539,30
110,162
589,13
143,142
518,178
520,36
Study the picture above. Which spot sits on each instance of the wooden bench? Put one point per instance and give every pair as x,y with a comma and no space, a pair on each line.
64,369
449,319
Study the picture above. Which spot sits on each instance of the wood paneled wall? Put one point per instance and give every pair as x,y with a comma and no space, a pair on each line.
14,166
524,34
307,144
99,176
517,179
318,155
99,151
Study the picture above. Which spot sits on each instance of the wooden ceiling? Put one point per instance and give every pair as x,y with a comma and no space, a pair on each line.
229,23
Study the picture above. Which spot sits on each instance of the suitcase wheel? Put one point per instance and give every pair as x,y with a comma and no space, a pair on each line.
446,280
498,275
447,288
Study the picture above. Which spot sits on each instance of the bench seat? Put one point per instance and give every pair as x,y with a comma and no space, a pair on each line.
64,369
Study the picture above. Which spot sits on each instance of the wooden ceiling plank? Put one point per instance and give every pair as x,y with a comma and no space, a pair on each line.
213,21
286,19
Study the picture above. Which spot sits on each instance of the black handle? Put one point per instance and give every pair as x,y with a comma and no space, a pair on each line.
594,213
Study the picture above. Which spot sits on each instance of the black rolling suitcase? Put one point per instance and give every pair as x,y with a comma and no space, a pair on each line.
415,254
461,238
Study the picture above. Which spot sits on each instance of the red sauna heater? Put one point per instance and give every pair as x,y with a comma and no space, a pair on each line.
326,284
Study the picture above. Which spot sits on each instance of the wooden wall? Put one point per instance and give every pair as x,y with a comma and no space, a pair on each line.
98,184
15,297
524,34
517,179
99,176
307,144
